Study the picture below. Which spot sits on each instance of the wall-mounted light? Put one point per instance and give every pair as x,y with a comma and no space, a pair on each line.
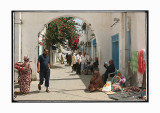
116,21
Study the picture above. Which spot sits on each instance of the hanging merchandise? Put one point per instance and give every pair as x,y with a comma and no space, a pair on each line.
134,61
141,62
145,56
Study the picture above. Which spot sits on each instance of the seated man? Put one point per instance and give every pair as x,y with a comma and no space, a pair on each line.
109,69
93,66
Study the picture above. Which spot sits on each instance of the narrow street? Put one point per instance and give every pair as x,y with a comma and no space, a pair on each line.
64,86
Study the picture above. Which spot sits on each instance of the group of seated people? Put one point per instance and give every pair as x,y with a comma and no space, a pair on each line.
93,66
98,81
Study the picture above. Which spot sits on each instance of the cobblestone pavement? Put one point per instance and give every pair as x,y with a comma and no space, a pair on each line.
65,86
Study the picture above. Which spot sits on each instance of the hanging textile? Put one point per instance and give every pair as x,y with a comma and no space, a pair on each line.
141,62
134,61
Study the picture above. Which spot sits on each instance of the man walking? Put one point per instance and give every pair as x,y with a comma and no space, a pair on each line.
44,69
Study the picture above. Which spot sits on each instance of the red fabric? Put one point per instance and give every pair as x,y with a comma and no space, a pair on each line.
141,62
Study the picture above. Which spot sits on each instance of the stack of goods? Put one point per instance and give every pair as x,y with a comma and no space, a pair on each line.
116,87
116,84
132,89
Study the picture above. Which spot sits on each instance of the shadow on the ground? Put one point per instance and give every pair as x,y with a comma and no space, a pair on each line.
87,91
66,79
67,65
72,74
63,91
31,92
16,85
69,72
34,92
85,79
54,67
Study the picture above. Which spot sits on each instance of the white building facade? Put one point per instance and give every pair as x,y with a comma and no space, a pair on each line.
110,29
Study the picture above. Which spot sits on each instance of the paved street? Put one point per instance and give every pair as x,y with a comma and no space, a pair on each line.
64,86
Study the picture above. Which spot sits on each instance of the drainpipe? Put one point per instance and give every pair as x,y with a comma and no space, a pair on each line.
20,37
126,45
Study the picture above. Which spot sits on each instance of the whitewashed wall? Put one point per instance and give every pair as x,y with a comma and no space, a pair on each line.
33,23
16,43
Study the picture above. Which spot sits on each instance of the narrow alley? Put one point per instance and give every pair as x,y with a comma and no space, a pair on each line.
64,86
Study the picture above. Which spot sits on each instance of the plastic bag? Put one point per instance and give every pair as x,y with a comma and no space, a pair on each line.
107,86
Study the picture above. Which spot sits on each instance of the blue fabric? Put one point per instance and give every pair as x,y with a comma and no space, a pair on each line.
44,61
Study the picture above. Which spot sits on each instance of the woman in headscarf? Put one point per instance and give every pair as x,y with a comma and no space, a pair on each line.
25,75
96,82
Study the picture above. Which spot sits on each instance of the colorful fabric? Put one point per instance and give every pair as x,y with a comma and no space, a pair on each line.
116,79
123,80
25,76
141,62
116,88
134,61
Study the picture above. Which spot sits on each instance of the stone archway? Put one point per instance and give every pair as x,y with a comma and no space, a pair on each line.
83,21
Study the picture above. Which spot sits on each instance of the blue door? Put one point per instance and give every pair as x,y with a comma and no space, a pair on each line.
115,50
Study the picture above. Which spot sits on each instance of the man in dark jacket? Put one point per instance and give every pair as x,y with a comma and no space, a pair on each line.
44,70
109,69
95,64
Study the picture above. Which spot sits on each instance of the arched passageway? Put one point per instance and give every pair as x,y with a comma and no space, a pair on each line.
85,42
37,22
